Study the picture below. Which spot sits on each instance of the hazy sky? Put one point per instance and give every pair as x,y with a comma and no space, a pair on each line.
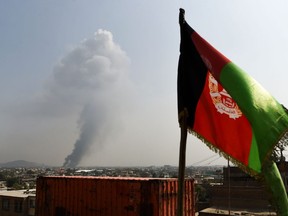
98,78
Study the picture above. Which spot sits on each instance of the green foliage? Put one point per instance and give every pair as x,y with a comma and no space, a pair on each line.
30,172
2,177
202,193
277,154
12,181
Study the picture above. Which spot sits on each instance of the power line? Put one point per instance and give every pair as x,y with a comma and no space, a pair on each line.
213,160
203,160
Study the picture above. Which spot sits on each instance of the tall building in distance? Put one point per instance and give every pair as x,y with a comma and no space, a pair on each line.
241,194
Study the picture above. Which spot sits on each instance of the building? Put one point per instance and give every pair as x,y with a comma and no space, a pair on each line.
240,194
17,203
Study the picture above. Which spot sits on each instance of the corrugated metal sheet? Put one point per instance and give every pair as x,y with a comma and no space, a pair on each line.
109,196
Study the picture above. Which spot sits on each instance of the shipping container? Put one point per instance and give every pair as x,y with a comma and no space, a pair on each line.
111,196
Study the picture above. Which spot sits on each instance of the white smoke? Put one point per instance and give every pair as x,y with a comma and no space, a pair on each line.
94,77
89,88
93,68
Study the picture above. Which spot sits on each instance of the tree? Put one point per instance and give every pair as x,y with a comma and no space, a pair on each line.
12,181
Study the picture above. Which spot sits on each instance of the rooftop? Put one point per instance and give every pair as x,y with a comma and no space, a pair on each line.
18,193
223,211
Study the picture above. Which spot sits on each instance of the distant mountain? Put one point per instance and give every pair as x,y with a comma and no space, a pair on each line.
20,164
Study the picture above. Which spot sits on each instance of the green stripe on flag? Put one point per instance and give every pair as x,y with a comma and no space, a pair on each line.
254,160
266,116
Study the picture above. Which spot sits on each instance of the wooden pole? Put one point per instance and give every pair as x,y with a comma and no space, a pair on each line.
229,188
182,164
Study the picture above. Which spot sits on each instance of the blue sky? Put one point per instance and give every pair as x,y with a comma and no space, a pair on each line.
43,103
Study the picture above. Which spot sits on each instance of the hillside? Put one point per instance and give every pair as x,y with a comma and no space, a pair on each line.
20,163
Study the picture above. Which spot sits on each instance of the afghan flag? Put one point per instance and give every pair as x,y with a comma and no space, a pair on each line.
227,109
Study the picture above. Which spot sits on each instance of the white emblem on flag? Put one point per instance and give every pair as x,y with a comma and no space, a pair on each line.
222,100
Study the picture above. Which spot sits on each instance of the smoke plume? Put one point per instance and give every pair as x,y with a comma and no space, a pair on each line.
92,128
92,77
79,109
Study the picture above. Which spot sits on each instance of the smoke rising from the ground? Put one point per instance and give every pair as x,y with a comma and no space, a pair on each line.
91,126
79,108
94,77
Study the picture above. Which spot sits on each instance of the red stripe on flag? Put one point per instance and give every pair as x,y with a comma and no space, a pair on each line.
219,120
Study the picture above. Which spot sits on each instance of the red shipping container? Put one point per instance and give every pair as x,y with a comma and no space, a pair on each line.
110,196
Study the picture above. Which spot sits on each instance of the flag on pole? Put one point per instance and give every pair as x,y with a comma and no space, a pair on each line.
227,109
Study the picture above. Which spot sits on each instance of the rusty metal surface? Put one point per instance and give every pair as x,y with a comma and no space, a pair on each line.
110,196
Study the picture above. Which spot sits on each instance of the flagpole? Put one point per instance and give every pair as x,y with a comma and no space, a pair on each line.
229,188
182,163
